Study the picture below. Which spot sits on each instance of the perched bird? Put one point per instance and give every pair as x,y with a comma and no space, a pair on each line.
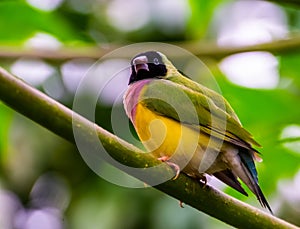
189,126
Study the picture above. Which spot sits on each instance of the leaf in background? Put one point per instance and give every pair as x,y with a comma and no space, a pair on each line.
201,14
290,69
19,21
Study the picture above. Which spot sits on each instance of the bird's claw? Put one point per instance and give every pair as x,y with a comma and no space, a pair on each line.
181,204
171,164
203,180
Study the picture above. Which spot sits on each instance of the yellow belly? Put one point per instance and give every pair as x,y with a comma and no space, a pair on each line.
166,137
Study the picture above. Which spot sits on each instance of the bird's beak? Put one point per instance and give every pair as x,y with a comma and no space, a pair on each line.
140,63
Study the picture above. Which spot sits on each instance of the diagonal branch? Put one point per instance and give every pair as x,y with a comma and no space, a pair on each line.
58,119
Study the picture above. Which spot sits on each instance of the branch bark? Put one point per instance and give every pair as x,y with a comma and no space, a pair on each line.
198,48
58,119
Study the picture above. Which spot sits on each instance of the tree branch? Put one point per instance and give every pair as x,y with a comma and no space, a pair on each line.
58,119
200,49
276,47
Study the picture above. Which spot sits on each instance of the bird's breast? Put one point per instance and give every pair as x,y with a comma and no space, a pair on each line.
164,136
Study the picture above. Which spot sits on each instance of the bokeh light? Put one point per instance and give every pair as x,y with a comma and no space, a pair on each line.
33,71
128,15
290,135
171,16
252,69
43,41
290,191
250,22
73,71
46,5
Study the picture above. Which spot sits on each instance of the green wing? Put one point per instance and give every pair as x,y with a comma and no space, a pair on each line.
217,99
190,103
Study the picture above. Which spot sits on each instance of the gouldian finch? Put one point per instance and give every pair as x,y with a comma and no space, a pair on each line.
189,125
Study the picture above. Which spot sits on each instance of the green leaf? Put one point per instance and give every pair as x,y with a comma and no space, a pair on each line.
289,69
19,21
202,12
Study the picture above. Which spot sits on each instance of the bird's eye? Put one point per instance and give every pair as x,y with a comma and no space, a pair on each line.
156,61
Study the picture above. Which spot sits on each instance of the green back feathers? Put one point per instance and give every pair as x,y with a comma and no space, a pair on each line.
165,96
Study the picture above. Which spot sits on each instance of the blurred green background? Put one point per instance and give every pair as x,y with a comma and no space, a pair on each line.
44,182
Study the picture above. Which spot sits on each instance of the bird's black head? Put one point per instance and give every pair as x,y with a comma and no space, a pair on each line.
147,65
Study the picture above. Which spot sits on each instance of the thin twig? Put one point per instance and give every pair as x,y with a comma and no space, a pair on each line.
200,49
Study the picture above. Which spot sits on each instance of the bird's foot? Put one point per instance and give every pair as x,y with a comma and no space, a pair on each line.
181,204
171,164
203,180
163,158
